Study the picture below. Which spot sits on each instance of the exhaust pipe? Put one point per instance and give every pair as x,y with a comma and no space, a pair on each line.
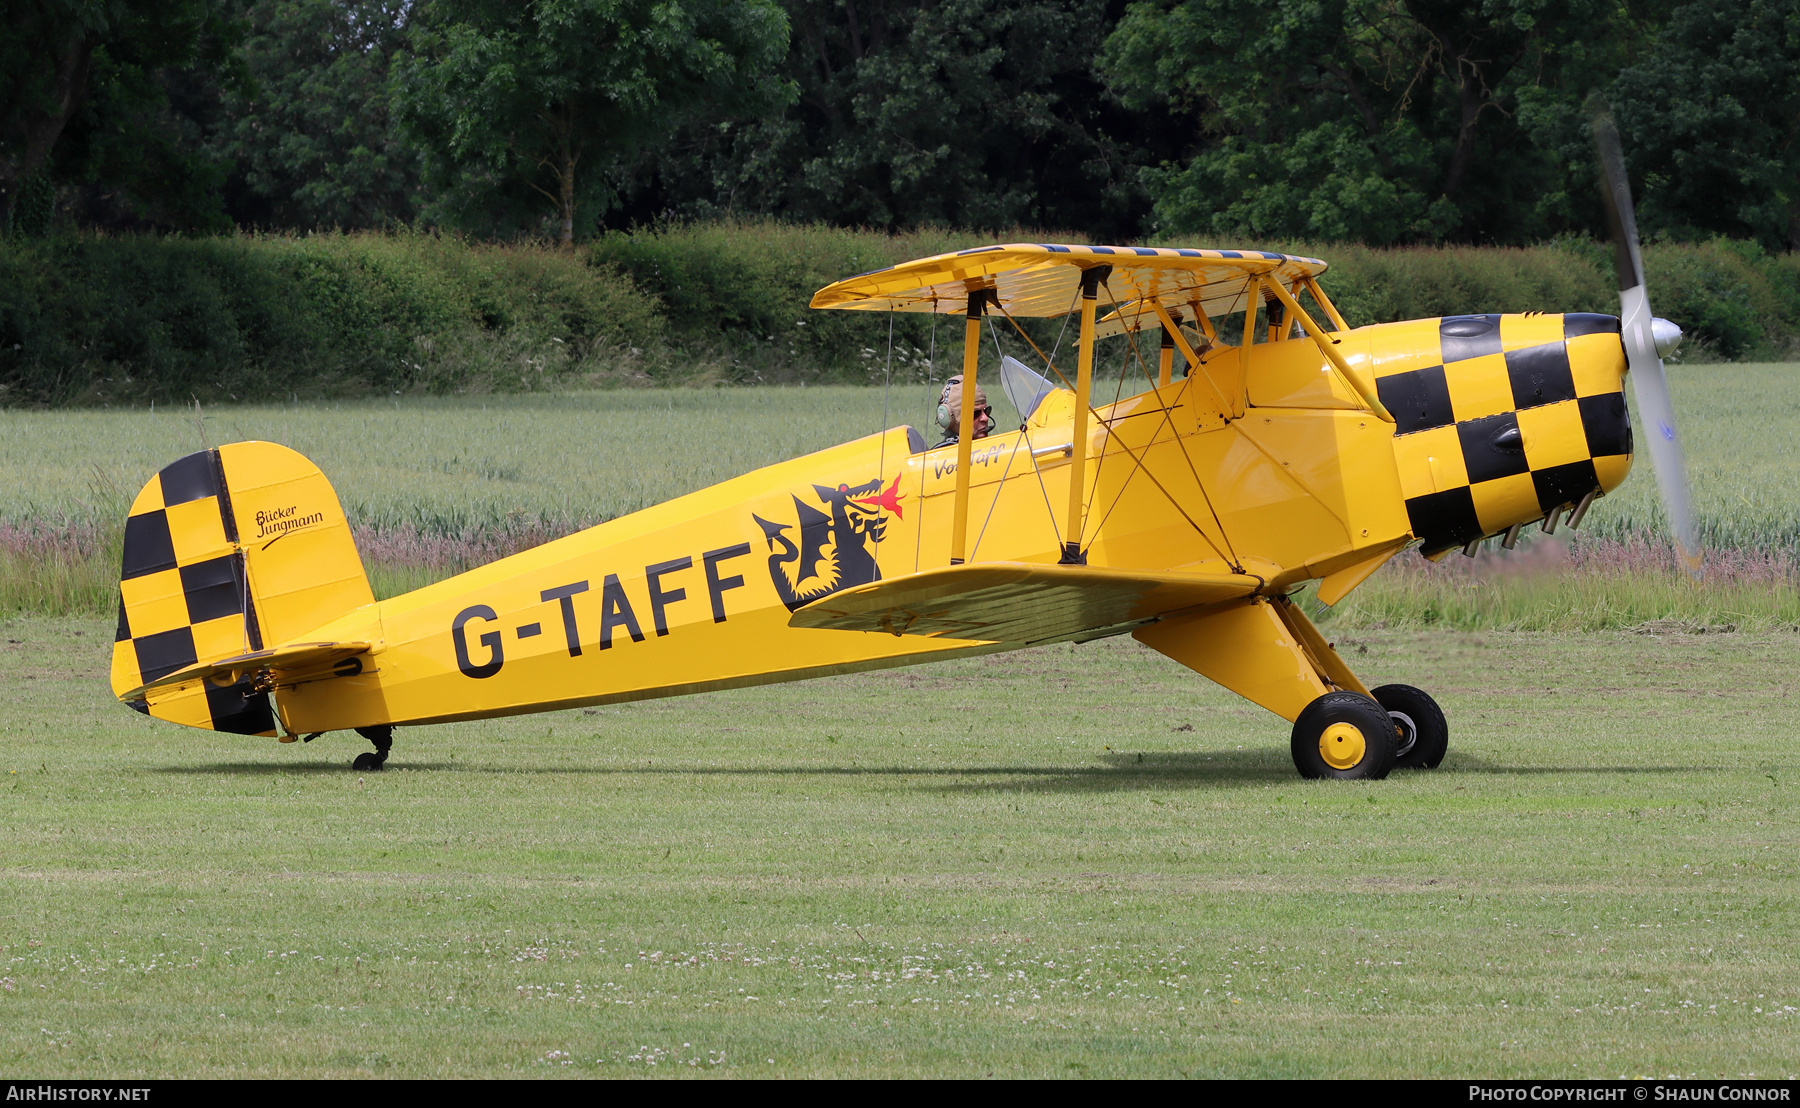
1575,517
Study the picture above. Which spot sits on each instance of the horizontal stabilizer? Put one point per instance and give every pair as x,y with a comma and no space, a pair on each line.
282,665
1017,602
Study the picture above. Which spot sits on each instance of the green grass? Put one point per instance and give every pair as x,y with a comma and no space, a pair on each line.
1023,865
1416,596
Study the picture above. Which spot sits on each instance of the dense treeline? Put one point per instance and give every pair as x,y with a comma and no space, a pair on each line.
134,319
1377,121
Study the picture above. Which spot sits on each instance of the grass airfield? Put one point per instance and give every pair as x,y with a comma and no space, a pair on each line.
1022,865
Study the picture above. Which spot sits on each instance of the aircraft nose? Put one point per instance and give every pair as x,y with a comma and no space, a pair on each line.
1596,352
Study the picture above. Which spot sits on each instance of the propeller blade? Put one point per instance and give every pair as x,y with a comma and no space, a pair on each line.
1649,381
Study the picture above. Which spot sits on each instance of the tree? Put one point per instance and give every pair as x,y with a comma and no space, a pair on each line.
969,113
1714,118
309,138
1380,120
97,91
555,96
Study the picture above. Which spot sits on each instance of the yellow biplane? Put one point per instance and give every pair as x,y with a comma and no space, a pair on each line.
1290,448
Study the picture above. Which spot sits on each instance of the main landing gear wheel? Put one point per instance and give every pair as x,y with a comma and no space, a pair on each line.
383,738
1344,735
1424,736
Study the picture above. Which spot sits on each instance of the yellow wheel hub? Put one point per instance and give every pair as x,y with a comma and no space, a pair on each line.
1342,745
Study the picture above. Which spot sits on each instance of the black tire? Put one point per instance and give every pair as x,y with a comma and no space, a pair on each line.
382,735
1357,728
1424,734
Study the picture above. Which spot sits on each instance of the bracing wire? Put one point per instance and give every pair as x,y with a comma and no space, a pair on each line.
1060,331
999,487
1167,495
1137,356
1125,484
1100,463
930,376
1144,368
1170,497
1049,512
1050,364
1175,436
1049,359
1025,437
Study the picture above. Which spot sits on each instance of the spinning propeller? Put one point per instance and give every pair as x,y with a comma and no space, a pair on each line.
1646,339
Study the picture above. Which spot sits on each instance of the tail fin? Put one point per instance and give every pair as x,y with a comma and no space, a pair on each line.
228,552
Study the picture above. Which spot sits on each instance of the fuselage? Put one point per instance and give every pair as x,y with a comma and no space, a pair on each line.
1266,465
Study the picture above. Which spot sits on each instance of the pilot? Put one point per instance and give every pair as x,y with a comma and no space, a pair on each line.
949,412
1203,348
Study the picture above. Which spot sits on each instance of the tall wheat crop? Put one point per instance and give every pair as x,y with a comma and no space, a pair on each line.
435,484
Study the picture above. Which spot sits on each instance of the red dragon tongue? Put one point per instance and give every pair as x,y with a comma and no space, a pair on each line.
889,499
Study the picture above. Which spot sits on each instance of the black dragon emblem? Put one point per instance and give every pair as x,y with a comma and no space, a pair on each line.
837,541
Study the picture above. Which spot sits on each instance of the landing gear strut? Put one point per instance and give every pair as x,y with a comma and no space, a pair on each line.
383,738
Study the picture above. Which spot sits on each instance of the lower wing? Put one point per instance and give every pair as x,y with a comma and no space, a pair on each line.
1018,602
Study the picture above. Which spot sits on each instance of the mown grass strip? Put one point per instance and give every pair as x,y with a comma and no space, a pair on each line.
1065,862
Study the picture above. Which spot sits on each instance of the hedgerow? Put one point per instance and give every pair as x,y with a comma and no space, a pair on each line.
96,320
88,319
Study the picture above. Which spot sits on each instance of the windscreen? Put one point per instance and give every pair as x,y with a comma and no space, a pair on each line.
1025,387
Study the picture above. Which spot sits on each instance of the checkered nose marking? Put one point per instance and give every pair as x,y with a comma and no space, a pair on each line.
1507,421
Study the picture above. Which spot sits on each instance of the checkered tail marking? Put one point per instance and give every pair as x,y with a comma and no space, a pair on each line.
184,598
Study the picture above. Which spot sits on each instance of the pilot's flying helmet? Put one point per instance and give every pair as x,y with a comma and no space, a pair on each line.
949,410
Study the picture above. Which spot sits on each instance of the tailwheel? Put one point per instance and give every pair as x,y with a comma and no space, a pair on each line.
383,738
1424,735
1344,735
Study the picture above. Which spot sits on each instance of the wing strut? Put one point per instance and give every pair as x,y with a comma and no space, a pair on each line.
1072,554
1329,349
965,429
1187,351
1311,284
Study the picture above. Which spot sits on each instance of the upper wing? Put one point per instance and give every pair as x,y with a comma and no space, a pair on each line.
1017,602
282,665
1041,279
